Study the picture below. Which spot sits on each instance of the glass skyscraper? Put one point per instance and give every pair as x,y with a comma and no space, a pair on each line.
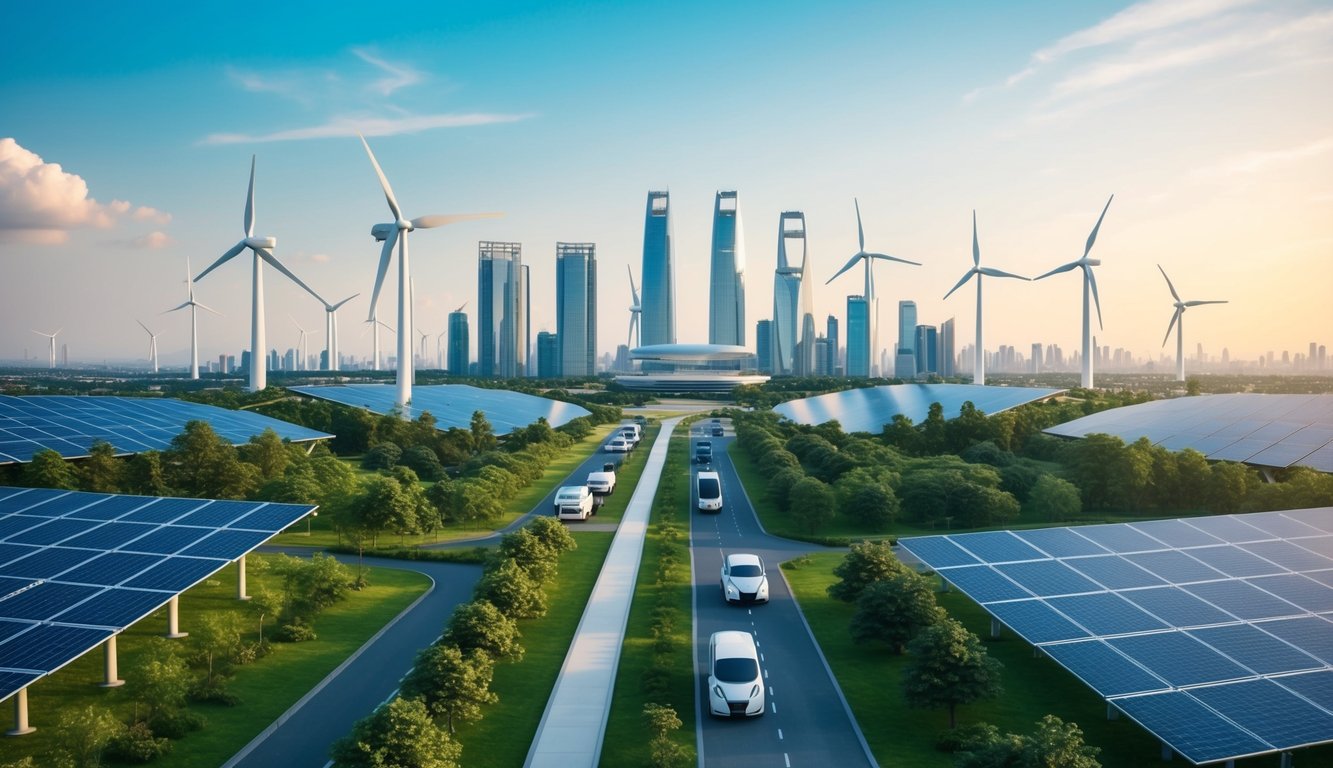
927,349
460,352
904,365
726,284
502,323
947,367
793,329
658,317
548,355
831,333
858,341
763,345
575,309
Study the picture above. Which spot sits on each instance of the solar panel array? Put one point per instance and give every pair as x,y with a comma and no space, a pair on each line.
69,425
871,408
1214,633
1264,430
77,568
452,405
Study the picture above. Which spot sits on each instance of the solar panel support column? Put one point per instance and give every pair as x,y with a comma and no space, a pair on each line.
173,618
1286,760
240,579
21,726
994,627
1111,712
112,672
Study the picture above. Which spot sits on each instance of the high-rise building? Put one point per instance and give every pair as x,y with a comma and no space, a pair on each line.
763,346
948,366
502,338
575,309
822,356
904,364
274,364
858,325
926,346
548,355
831,333
793,329
726,281
657,320
460,344
1036,357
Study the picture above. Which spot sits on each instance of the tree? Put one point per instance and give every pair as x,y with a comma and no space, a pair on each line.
143,475
947,667
382,456
312,585
162,680
49,469
83,734
400,734
216,637
1231,483
780,483
553,534
508,587
480,625
894,609
203,465
483,437
812,502
101,472
453,685
661,721
536,559
267,602
1054,744
900,434
866,562
866,497
267,453
1054,500
422,460
384,507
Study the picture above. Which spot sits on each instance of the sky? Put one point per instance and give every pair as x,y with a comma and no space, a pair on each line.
128,131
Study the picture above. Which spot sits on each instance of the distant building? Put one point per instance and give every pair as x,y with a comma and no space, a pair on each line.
1036,358
658,316
927,349
726,280
460,344
831,333
858,342
274,362
622,361
502,324
575,309
245,361
548,355
948,362
763,346
904,365
822,356
793,329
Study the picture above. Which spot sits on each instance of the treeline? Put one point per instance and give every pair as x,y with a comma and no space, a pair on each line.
450,681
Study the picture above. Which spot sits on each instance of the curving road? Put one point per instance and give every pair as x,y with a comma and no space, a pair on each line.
807,722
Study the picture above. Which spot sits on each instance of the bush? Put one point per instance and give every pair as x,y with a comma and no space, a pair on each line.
424,462
137,745
214,692
173,724
296,632
382,456
866,563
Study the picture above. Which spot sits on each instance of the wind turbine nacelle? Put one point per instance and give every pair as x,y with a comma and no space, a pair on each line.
267,243
381,232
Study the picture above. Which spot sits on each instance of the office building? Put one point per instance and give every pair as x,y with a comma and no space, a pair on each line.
858,342
793,329
822,356
726,280
502,340
831,333
460,344
548,355
763,346
658,315
904,364
926,347
1035,363
575,309
948,363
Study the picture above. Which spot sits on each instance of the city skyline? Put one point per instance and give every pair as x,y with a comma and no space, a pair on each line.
1033,115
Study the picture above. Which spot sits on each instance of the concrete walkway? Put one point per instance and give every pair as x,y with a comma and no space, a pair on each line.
574,722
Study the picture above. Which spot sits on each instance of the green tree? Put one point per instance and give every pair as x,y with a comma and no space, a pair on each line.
49,470
864,496
454,686
267,603
661,722
947,667
216,639
553,534
508,587
400,734
780,484
480,625
312,585
83,734
900,434
203,465
384,506
483,436
144,475
267,453
101,472
813,503
1054,744
1231,483
422,460
1055,500
1110,475
894,609
866,563
531,554
162,680
297,485
382,456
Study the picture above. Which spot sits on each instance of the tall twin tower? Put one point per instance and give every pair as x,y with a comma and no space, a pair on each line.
726,283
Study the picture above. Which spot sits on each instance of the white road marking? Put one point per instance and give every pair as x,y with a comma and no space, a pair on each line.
761,657
786,759
779,734
765,673
774,706
770,690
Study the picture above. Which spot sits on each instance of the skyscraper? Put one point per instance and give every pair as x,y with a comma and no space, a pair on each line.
658,317
726,283
501,310
460,344
926,349
858,344
575,309
904,364
793,329
763,345
947,366
548,355
831,333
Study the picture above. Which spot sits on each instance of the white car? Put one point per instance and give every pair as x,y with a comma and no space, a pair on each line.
743,579
603,482
708,490
573,502
617,445
735,683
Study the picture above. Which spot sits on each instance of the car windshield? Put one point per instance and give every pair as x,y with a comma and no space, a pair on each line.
746,571
570,495
738,670
709,488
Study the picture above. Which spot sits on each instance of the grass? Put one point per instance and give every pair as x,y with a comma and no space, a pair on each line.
625,743
627,479
267,687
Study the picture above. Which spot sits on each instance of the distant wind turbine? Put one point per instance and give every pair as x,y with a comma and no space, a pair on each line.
152,345
872,336
393,232
635,309
300,345
194,320
1089,288
262,247
979,353
1178,322
52,337
331,330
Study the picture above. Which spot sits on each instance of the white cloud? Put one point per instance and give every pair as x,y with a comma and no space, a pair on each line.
153,240
319,258
1262,160
348,126
40,202
398,75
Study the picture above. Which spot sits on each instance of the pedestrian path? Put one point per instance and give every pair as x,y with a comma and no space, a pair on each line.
572,727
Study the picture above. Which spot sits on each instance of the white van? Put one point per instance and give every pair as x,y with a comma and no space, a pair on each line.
573,502
708,491
633,427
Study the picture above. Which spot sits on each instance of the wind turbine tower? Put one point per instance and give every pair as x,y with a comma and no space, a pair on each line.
331,330
1178,322
393,232
635,309
1089,289
979,352
194,320
52,336
152,345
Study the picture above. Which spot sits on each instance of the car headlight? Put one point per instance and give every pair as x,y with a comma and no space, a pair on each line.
754,691
717,691
731,589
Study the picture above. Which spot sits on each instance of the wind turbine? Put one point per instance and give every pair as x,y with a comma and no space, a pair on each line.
635,309
396,232
152,345
979,353
331,330
300,345
424,337
1089,287
262,247
872,335
194,320
52,337
1178,322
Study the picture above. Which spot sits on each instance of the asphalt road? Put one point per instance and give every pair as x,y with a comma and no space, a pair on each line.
806,723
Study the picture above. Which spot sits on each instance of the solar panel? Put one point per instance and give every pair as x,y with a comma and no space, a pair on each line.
1176,607
1290,556
1047,578
1317,687
1114,572
984,584
452,405
996,546
1036,621
1060,542
47,647
1269,711
1174,567
1304,593
1198,733
1120,538
1105,613
1234,561
869,409
1109,672
115,607
1178,658
1243,600
940,552
47,563
1255,649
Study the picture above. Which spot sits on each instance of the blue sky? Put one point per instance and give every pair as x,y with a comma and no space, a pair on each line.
1209,119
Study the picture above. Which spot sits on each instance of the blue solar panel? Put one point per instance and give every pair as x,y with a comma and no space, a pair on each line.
937,551
46,563
163,510
176,574
1105,613
11,552
110,535
1060,542
1321,544
1316,518
1309,633
1036,621
996,546
1297,590
47,647
1230,529
14,525
52,531
110,507
1288,555
219,514
983,584
61,505
1119,538
1315,686
167,540
1255,649
271,518
1269,711
11,682
111,568
1236,562
1176,533
452,405
870,409
224,543
1114,572
43,600
1175,567
1176,607
1100,666
115,608
1196,732
1178,658
1046,578
1282,526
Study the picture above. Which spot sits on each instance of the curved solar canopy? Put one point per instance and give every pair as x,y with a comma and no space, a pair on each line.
1213,633
77,568
871,408
69,425
1263,430
452,405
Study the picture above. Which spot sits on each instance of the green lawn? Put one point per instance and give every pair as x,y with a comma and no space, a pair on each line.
267,687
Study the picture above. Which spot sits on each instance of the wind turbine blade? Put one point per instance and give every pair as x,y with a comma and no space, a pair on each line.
1174,317
1058,270
993,272
235,249
250,202
173,309
344,301
210,309
860,233
268,257
386,253
976,249
850,263
1092,238
141,325
1171,287
960,284
439,220
384,182
1199,303
189,281
887,257
1092,283
633,290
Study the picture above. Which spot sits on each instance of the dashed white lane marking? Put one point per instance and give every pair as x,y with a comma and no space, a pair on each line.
779,734
786,759
770,690
765,674
775,707
761,657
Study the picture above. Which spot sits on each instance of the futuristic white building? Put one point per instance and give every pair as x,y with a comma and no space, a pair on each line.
689,368
793,331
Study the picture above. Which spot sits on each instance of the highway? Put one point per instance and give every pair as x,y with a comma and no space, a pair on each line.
807,722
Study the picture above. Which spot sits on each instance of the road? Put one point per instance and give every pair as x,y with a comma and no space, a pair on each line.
807,722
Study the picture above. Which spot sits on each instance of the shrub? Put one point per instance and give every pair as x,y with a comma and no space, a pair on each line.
296,632
382,456
424,462
137,745
174,723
